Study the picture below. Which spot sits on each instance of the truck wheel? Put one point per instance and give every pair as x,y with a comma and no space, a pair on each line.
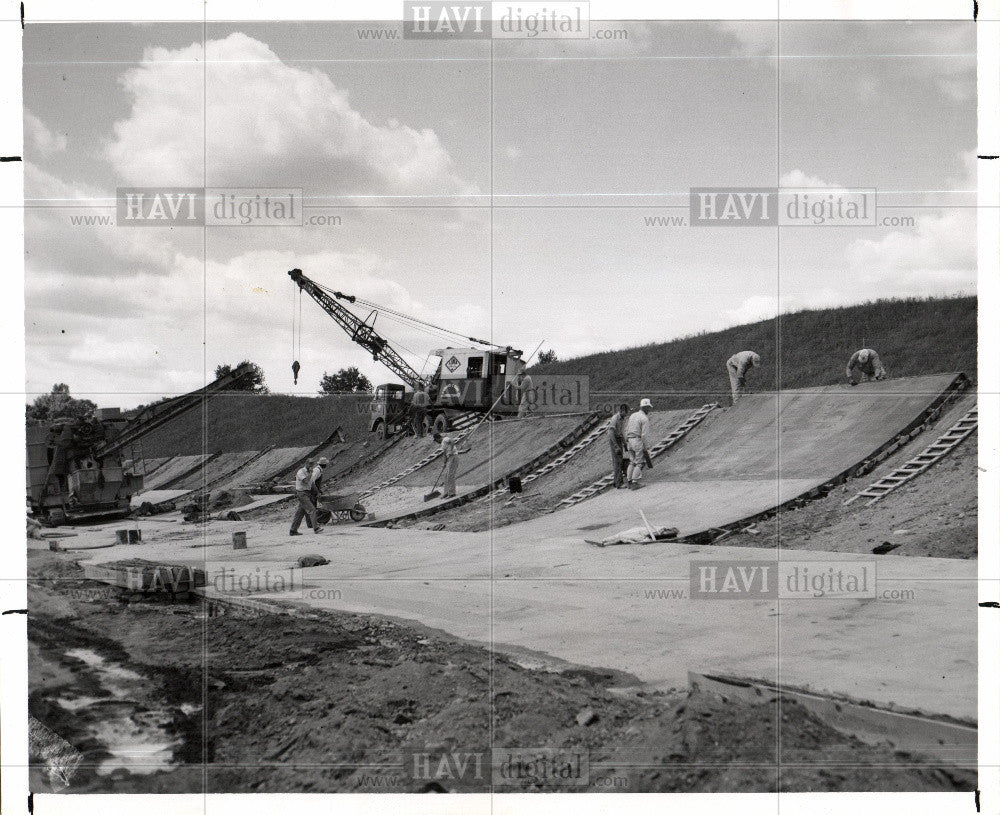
380,433
440,423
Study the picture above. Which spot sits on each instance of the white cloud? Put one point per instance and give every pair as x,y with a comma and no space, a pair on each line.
514,152
796,178
39,139
766,306
268,123
938,256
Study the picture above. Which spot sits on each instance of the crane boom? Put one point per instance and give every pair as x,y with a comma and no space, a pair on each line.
357,329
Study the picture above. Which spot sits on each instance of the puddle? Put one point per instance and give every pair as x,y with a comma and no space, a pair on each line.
138,739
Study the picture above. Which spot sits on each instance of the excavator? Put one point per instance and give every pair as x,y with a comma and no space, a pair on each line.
89,467
473,379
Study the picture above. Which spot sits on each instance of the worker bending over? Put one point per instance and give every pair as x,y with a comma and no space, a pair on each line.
449,448
738,365
868,366
637,438
307,487
616,438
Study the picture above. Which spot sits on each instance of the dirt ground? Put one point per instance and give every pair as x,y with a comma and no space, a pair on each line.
332,702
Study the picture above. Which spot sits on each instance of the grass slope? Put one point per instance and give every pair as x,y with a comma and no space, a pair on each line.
244,421
912,336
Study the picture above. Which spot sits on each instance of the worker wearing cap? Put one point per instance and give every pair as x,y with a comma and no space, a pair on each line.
307,486
738,365
868,366
637,438
616,438
419,409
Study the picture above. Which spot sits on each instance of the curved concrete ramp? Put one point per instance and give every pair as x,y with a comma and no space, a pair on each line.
495,449
174,470
748,459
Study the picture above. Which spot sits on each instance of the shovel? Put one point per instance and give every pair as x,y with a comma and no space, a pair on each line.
435,492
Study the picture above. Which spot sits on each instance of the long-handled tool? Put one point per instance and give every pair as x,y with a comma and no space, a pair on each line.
435,492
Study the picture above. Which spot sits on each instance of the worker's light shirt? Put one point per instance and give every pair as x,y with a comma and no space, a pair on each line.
449,447
638,426
742,361
420,399
303,480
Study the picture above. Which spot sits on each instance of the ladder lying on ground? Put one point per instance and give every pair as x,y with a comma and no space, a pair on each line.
660,447
466,422
956,434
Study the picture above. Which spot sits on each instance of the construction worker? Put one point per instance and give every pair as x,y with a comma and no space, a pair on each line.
305,478
637,438
317,478
449,448
421,400
738,365
525,393
616,439
868,366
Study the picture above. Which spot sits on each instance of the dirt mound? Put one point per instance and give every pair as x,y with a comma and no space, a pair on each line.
336,702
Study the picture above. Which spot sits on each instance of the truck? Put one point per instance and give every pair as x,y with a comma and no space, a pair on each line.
476,379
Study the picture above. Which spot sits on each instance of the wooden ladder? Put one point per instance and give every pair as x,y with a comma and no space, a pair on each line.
956,434
561,459
675,436
467,422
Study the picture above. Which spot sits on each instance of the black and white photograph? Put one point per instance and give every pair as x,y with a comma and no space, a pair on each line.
517,401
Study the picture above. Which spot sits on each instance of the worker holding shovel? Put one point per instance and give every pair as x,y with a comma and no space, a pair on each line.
450,451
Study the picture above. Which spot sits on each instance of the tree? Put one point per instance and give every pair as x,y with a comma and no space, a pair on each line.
545,357
59,405
346,380
254,383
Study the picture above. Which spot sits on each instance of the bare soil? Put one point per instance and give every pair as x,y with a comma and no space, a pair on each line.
331,702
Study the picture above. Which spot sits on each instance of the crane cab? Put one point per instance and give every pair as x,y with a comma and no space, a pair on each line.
473,379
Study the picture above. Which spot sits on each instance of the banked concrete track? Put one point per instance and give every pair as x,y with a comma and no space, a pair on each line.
537,587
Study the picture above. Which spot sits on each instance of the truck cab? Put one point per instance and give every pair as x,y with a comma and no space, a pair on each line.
389,410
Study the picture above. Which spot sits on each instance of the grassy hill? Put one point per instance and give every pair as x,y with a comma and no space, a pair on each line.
912,336
245,421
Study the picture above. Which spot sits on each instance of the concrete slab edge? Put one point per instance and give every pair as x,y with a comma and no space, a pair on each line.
949,741
923,421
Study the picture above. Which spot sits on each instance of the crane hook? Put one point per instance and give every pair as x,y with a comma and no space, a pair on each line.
295,372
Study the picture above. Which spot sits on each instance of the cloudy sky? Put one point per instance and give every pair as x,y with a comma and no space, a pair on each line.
507,198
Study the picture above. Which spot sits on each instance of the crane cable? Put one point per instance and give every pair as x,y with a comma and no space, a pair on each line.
406,318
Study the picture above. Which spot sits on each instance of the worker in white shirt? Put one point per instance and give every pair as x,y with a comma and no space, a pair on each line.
637,439
738,365
868,366
525,394
307,485
449,448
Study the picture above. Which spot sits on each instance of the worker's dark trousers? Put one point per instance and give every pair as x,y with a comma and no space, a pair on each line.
419,416
618,464
306,509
